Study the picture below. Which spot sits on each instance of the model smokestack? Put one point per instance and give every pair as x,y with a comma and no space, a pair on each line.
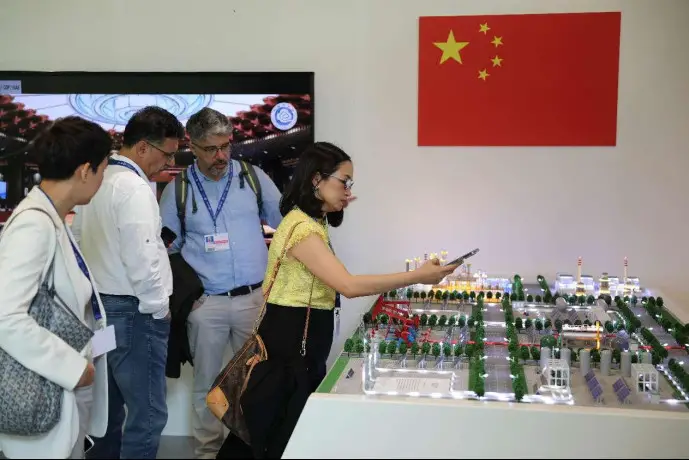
580,289
579,270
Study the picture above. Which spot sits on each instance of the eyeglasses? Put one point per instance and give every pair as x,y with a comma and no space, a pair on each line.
169,156
214,149
348,183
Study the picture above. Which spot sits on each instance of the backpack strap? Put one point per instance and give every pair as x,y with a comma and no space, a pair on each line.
250,173
181,192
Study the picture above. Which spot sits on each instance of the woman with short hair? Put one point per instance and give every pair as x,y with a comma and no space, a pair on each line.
71,155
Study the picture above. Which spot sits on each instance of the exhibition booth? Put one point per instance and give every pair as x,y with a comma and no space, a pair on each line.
478,157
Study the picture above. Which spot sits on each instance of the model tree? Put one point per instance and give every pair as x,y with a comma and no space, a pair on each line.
382,347
489,295
590,299
445,296
367,318
609,327
519,324
453,296
529,298
558,325
462,321
539,325
660,302
410,294
587,322
402,348
425,348
414,349
423,320
524,352
416,296
538,298
442,321
548,297
471,321
469,349
581,300
431,295
498,295
528,323
433,320
436,350
513,296
459,349
359,347
392,347
423,296
383,319
348,346
438,295
548,341
547,324
392,294
452,320
535,353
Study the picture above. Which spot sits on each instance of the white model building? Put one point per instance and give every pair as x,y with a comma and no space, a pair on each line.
555,375
645,378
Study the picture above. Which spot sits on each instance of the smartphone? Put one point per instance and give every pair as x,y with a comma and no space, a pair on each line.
168,236
460,260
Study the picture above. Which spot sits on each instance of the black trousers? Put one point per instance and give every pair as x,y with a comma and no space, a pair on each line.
282,331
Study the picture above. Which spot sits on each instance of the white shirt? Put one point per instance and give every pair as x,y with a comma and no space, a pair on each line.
119,235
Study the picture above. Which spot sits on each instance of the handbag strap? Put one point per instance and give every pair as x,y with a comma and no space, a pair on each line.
266,294
49,277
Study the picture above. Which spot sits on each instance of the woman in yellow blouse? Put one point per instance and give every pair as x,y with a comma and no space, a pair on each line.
310,275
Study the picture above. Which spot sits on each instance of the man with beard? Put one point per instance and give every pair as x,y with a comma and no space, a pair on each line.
222,241
119,234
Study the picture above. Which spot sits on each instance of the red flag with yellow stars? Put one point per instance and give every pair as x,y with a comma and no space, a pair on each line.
519,80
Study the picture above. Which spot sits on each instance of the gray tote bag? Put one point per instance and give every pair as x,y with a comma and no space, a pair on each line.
29,403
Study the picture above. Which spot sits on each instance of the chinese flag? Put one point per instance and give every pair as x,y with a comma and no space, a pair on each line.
519,80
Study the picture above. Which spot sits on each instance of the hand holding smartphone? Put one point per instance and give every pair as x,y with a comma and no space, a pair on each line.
460,260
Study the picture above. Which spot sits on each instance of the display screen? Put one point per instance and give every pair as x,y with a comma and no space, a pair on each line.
271,113
3,190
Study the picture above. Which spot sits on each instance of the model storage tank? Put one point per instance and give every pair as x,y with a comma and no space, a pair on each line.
545,356
626,364
566,355
584,361
646,357
605,361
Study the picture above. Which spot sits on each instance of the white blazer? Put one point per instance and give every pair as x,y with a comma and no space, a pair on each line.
26,249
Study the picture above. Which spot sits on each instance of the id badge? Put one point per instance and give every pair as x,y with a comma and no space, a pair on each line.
217,242
337,322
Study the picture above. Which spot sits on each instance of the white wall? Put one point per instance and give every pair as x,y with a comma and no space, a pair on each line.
531,210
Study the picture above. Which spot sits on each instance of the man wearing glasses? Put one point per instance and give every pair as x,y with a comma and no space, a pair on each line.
223,243
119,235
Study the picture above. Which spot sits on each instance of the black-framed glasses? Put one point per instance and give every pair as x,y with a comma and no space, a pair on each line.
213,149
169,156
348,183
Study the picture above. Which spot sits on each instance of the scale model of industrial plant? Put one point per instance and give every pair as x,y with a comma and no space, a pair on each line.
578,342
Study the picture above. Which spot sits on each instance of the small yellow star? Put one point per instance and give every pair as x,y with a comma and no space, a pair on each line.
483,74
497,61
451,48
484,28
497,41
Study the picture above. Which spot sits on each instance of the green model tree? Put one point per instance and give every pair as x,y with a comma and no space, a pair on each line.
410,294
414,349
425,348
489,295
513,296
452,320
609,327
590,299
431,295
558,325
423,296
538,298
442,321
433,320
548,341
471,322
524,352
539,325
392,347
548,297
459,350
518,324
445,296
535,353
453,296
529,298
382,347
423,320
435,350
416,296
660,302
472,295
581,300
359,347
438,295
465,296
528,323
402,350
547,324
392,294
348,346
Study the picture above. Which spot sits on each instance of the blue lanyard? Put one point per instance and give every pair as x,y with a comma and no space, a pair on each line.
223,197
112,161
82,266
85,271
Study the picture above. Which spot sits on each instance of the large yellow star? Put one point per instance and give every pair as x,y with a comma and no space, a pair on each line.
451,48
497,41
497,61
484,28
483,74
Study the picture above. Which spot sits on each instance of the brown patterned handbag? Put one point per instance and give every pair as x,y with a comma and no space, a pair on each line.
223,399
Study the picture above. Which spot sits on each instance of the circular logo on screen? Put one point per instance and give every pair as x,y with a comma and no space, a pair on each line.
283,116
